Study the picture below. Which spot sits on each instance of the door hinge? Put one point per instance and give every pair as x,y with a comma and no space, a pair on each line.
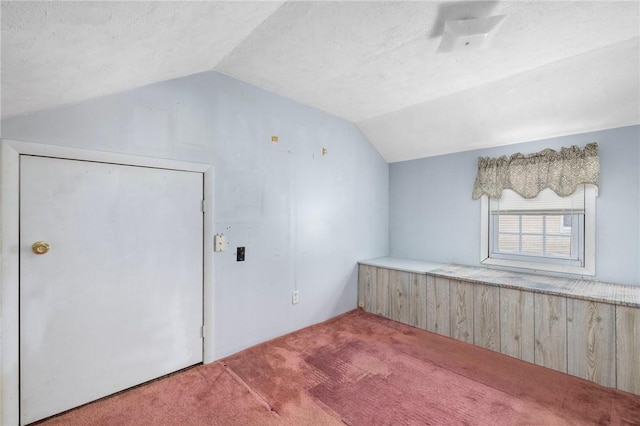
202,331
202,206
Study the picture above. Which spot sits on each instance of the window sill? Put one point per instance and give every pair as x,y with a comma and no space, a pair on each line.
530,267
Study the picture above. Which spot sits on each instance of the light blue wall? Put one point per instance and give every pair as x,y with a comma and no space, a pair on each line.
304,218
432,215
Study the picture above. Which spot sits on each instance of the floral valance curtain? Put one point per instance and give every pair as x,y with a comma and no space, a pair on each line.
527,175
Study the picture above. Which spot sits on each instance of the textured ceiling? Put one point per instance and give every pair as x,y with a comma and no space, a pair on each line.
553,68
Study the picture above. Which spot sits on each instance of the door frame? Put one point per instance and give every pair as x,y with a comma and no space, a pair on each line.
10,153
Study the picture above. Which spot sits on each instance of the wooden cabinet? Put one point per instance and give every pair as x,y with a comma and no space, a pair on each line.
599,342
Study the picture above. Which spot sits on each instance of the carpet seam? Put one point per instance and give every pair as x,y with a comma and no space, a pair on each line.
249,389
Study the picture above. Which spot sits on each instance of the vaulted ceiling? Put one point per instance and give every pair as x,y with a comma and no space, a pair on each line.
552,68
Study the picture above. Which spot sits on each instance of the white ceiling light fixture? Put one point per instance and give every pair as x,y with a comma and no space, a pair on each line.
469,34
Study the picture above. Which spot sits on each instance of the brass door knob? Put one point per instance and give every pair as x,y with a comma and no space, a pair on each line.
40,247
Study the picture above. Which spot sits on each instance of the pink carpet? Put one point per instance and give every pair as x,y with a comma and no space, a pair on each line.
360,369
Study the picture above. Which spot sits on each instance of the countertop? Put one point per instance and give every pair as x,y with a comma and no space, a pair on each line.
597,291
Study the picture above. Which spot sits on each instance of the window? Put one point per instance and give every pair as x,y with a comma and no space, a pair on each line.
548,228
546,233
538,210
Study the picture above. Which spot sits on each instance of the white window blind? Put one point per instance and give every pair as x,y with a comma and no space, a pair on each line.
547,201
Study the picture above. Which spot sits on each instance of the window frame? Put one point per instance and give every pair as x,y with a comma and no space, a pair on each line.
576,236
528,262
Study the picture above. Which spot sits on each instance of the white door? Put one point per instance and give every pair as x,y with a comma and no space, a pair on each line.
117,299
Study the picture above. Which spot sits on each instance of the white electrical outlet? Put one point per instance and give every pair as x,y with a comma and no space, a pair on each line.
219,242
294,297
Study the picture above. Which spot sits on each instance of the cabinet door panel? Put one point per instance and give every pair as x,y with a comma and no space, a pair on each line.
418,301
486,317
462,311
591,343
438,305
382,292
516,324
551,331
628,348
399,292
367,286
